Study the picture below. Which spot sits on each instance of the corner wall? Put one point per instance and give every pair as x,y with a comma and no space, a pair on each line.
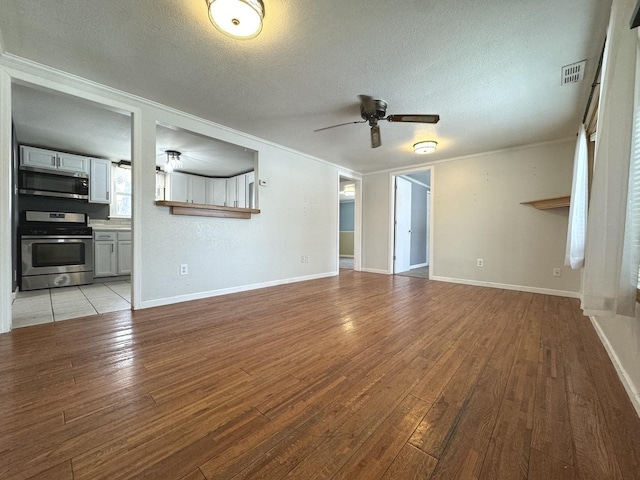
477,214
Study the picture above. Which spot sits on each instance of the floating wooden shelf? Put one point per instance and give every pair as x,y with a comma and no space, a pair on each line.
548,203
202,210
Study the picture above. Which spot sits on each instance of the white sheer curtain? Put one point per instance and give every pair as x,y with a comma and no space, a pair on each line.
577,231
604,252
629,274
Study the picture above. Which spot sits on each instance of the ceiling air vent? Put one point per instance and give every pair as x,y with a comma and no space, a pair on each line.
573,73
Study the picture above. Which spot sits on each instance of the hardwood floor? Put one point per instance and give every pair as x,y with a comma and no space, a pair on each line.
357,376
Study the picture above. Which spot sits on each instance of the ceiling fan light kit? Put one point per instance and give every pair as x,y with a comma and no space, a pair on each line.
423,148
173,161
241,19
372,110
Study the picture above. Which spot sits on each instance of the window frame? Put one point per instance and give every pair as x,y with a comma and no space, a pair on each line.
114,194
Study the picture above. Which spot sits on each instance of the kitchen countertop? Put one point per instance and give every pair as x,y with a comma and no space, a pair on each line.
103,227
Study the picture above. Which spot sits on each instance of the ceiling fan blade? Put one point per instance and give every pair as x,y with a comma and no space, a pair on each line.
339,125
414,118
376,141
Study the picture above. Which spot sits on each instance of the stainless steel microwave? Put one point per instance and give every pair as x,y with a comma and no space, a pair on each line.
49,183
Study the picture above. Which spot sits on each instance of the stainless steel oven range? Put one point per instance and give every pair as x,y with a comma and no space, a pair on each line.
56,250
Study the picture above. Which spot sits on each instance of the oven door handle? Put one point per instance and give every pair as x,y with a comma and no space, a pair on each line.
55,237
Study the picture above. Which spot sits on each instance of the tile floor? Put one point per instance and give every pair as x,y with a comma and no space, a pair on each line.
56,304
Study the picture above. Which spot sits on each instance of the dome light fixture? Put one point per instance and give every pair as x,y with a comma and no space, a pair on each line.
241,19
173,161
422,148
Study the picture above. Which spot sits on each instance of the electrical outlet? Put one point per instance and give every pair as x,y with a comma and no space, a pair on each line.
556,272
306,259
480,262
184,269
301,258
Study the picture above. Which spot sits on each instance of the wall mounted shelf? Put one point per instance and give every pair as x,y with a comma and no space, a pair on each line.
547,203
202,210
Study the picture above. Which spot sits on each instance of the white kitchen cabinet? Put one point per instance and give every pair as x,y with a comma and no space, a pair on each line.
160,185
216,193
241,191
198,189
73,163
100,181
124,253
38,158
50,160
250,190
187,188
178,187
238,190
232,192
112,254
104,254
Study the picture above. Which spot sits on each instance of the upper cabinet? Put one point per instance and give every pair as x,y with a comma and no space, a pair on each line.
216,193
240,191
100,181
50,160
187,188
73,163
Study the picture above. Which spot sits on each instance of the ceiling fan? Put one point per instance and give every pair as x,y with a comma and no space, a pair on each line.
372,110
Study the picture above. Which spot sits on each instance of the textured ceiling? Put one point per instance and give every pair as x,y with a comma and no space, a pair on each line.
491,69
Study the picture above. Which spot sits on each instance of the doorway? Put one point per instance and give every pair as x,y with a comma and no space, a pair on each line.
98,137
349,223
412,225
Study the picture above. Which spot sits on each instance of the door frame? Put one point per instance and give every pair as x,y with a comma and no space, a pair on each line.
392,217
67,84
357,220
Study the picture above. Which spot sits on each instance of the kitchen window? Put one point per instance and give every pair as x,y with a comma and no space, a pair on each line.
121,192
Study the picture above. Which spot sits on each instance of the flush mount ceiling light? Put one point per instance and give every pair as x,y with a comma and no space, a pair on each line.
173,160
237,18
422,148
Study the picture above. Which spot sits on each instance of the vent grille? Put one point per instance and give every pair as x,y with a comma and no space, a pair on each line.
573,73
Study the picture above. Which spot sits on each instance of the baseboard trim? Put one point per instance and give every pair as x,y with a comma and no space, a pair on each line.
505,286
419,265
627,383
374,270
226,291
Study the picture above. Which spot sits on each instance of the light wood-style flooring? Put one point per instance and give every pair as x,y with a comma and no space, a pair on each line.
357,376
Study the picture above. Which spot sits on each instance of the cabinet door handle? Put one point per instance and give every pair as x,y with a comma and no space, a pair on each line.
108,195
112,248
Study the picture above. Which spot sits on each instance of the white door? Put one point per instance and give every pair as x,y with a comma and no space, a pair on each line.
403,226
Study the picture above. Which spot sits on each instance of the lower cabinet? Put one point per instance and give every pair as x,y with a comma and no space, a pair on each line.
111,254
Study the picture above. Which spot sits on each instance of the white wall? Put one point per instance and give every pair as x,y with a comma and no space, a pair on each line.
299,208
477,214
